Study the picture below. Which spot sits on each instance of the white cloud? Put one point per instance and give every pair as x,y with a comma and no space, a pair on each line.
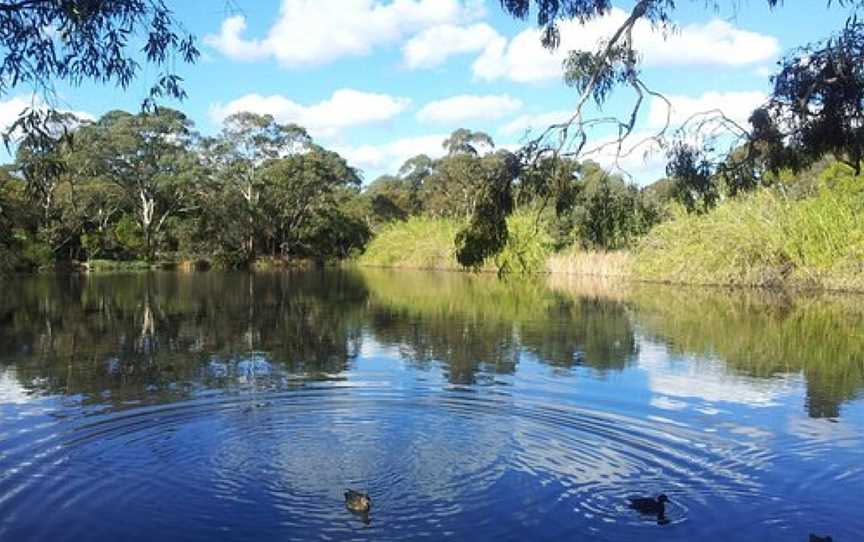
715,43
344,109
390,156
735,105
468,107
433,46
313,32
12,108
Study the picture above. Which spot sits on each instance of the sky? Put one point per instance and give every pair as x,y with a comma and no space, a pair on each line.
383,80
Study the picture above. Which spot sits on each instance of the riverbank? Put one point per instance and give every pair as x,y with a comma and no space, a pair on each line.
767,239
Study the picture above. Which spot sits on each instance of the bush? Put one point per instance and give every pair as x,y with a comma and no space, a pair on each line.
528,246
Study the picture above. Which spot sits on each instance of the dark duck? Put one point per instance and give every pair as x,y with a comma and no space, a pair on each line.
816,538
357,501
651,506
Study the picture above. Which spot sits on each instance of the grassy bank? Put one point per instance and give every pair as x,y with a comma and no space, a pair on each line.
765,239
428,243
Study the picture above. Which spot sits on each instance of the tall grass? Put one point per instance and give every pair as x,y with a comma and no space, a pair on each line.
765,239
429,243
417,243
590,263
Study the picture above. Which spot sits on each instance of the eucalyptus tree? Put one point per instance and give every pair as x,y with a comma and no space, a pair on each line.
147,157
453,182
414,173
11,217
41,162
77,41
816,107
389,198
465,141
237,157
486,232
297,189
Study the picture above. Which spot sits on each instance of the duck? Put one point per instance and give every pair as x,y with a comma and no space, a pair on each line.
357,501
649,506
816,538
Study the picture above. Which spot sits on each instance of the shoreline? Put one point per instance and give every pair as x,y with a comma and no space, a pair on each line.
615,267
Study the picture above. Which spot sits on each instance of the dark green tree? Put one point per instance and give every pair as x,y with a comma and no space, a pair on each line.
817,104
235,160
147,156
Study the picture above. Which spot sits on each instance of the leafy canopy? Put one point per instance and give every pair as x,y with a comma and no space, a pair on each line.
45,41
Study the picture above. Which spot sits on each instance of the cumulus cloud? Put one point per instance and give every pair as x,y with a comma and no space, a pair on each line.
344,109
390,156
468,107
715,43
12,108
314,32
433,46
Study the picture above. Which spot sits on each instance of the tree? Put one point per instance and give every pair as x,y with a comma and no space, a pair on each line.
389,198
486,232
415,171
85,40
693,179
297,189
235,159
147,156
817,104
41,162
464,141
450,185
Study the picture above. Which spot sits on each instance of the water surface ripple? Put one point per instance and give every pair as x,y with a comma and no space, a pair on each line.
465,413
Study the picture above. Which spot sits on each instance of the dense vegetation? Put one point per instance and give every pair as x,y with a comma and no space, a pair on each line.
147,187
133,189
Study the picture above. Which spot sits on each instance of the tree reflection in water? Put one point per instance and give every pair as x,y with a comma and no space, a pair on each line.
157,337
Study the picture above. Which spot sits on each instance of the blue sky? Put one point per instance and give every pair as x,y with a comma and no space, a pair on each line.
382,80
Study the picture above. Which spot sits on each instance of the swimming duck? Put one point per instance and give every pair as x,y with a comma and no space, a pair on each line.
357,501
648,506
815,538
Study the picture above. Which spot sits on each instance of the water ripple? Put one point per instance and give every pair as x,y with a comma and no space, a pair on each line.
262,464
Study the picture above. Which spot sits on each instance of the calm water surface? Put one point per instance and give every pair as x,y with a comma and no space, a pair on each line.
239,407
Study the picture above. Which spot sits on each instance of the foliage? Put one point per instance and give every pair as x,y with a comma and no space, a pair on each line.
693,181
75,41
817,104
765,239
528,246
419,242
486,233
599,211
147,156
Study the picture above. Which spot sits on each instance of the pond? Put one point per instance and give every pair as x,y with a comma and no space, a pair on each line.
234,406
